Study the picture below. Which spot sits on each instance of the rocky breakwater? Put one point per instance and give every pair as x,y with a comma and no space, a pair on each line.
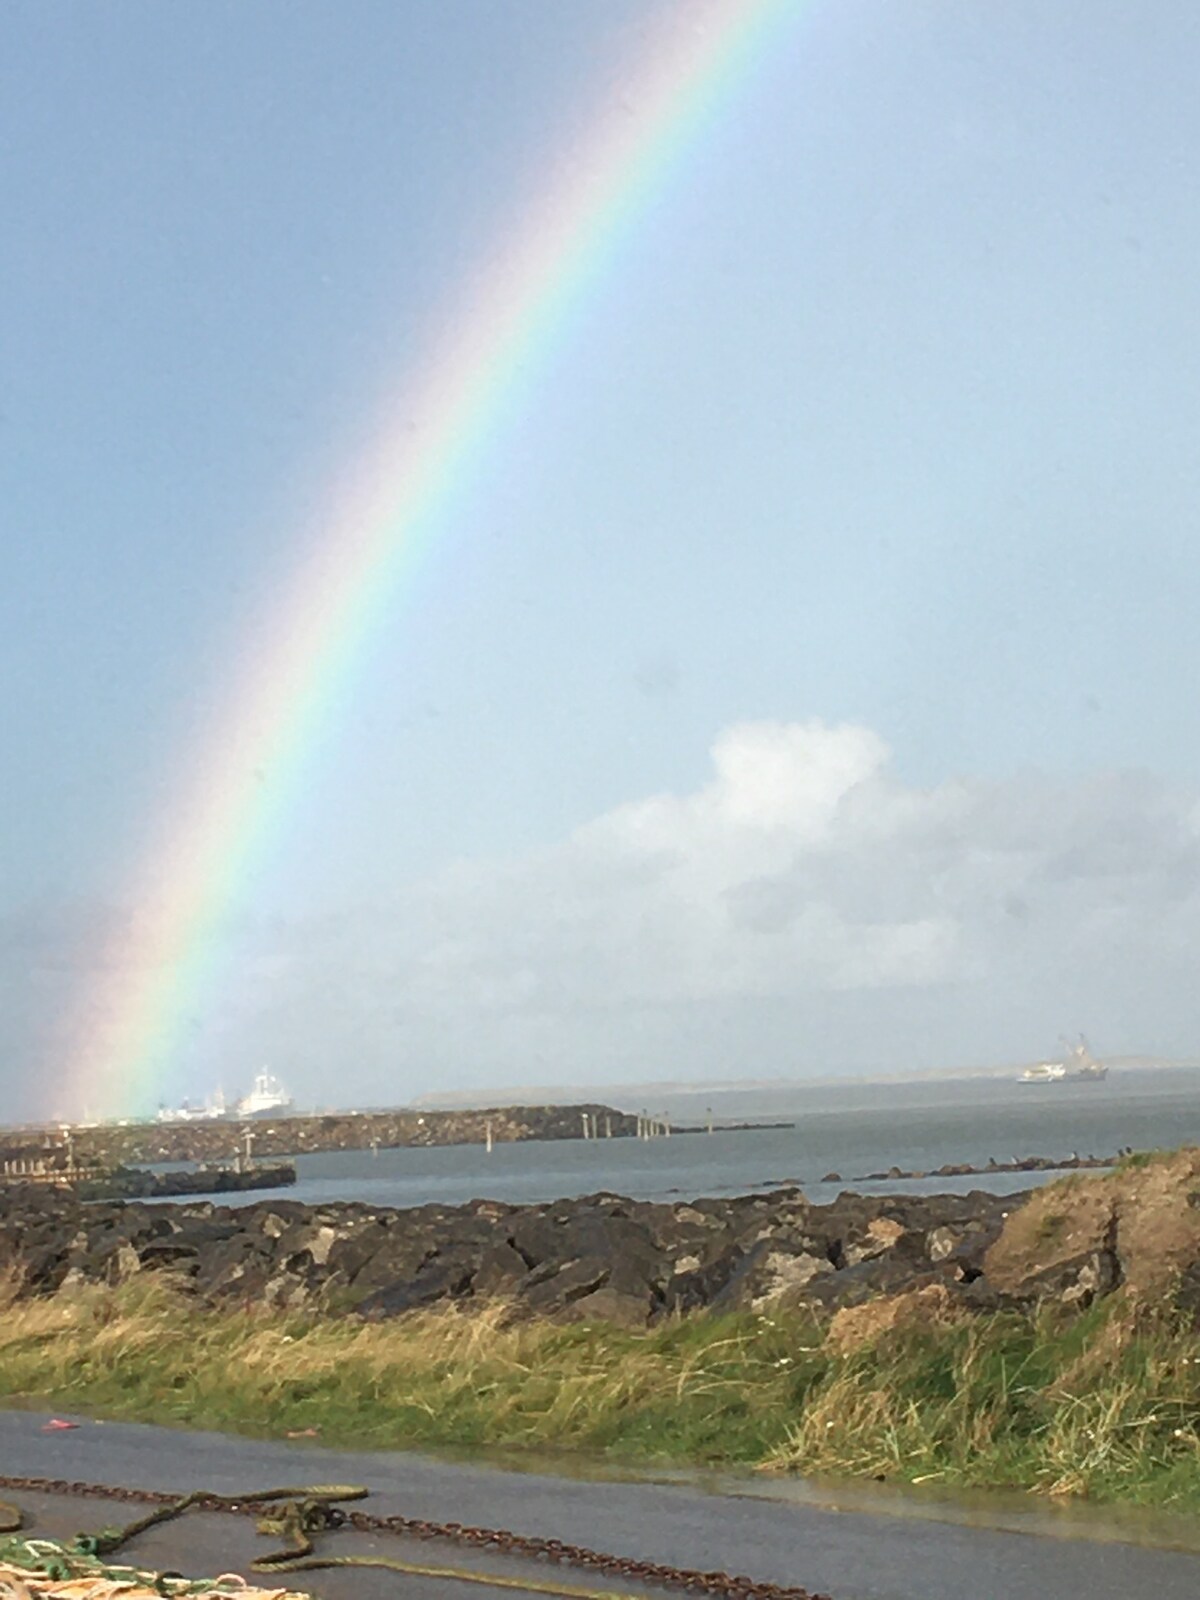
601,1257
606,1258
964,1169
217,1141
135,1183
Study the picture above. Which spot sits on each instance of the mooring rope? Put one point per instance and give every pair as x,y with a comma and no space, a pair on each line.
296,1513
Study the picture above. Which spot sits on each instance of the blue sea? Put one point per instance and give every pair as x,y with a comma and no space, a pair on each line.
850,1130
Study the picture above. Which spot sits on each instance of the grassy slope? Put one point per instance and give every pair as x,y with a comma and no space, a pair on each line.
1092,1407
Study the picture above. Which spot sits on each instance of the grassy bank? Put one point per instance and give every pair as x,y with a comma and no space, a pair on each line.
1092,1407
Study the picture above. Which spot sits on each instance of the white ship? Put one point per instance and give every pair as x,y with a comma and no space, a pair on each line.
1044,1072
267,1098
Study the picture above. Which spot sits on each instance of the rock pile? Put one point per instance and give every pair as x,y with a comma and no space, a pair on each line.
964,1169
631,1262
600,1257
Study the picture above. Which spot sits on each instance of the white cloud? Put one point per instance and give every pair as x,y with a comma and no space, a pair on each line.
803,908
805,868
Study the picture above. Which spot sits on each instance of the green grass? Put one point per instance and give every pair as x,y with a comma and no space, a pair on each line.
1097,1406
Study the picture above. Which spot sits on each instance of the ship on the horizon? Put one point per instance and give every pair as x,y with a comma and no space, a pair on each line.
213,1110
1045,1072
1080,1066
267,1098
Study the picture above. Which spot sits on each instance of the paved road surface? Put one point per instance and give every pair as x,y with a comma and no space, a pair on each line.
851,1555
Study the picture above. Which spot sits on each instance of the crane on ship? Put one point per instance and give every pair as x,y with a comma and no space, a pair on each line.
1081,1062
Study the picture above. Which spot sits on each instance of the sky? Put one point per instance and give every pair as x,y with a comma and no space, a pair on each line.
802,679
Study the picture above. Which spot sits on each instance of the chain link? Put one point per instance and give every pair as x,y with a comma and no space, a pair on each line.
719,1585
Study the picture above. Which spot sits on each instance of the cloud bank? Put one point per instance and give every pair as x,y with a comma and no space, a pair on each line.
803,910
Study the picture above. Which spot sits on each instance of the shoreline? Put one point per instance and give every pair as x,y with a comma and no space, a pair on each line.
601,1256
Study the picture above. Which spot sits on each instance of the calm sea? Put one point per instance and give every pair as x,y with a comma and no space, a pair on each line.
852,1130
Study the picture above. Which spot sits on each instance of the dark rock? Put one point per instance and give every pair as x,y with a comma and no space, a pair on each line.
611,1305
174,1253
134,1183
400,1257
238,1266
570,1283
773,1271
536,1238
501,1269
856,1284
442,1281
354,1247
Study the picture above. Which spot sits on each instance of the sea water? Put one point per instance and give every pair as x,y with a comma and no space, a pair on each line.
851,1130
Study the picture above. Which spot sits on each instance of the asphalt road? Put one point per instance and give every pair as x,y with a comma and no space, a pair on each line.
850,1555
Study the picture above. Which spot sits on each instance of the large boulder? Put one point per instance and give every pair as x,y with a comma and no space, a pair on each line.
1061,1245
934,1305
774,1271
501,1269
1137,1227
609,1304
560,1288
437,1281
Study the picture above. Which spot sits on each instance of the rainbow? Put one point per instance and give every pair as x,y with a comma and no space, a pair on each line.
161,963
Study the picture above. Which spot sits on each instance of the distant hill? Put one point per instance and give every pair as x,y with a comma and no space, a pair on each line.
653,1094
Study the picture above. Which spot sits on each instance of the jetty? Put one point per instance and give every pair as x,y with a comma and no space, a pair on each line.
56,1165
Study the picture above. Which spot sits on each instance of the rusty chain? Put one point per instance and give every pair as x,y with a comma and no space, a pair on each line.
718,1585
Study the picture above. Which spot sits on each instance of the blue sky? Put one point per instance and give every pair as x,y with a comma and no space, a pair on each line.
882,415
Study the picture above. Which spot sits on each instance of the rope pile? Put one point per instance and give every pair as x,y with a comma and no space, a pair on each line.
47,1569
27,1582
